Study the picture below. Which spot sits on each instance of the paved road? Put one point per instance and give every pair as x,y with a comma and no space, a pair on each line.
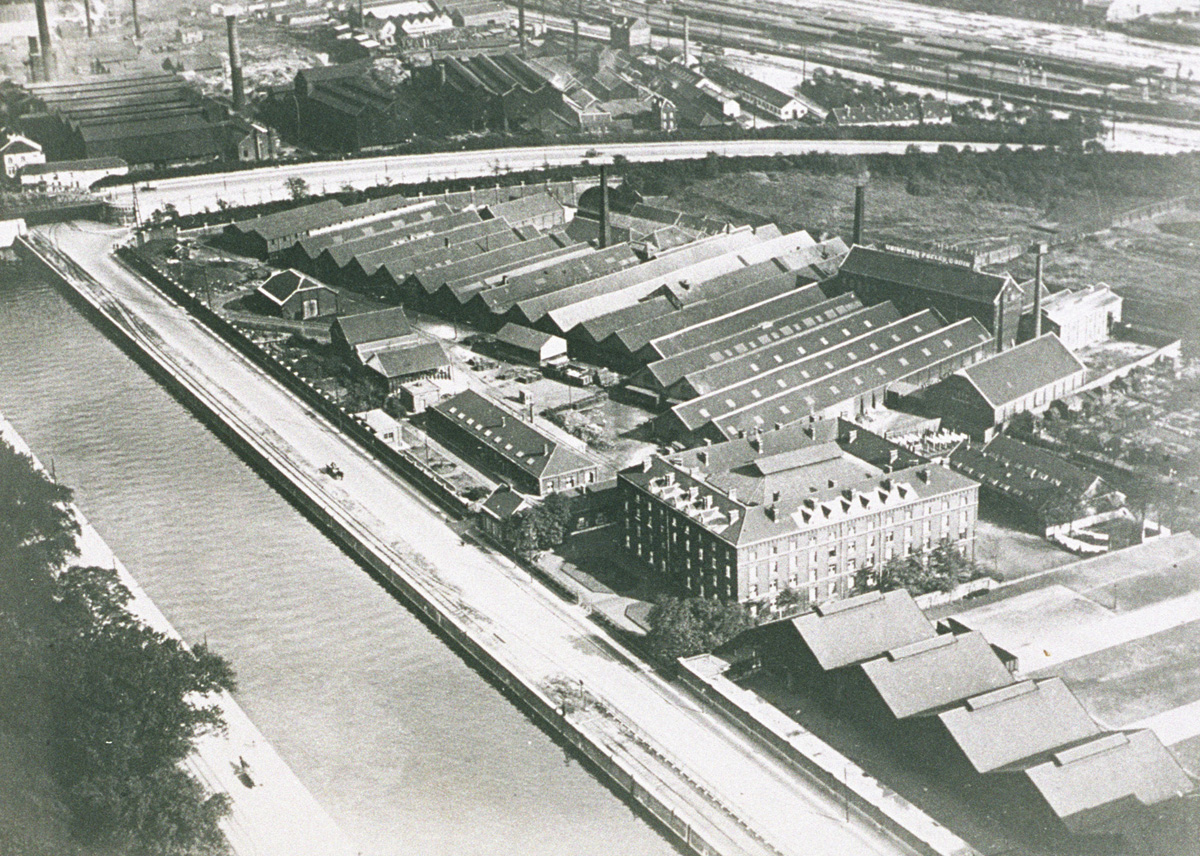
724,781
201,192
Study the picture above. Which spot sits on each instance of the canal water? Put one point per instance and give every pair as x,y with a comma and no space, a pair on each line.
409,748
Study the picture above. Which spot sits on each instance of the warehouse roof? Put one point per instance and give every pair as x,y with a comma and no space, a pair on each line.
405,361
682,281
566,273
871,373
74,166
527,207
736,80
611,285
507,434
466,287
803,343
933,673
1015,373
525,338
1076,781
1006,726
925,274
294,221
344,244
755,326
712,299
375,326
858,628
755,382
432,279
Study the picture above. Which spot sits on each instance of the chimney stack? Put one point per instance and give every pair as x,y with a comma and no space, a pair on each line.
47,52
1037,291
687,41
36,73
574,38
87,15
860,202
235,65
603,240
521,23
137,25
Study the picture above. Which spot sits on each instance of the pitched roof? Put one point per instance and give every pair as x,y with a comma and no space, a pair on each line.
1011,724
1105,770
503,503
283,284
924,274
522,209
18,145
850,631
932,673
74,166
507,434
1015,373
374,326
410,360
525,338
294,221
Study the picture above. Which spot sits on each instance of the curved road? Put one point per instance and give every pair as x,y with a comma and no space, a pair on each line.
197,193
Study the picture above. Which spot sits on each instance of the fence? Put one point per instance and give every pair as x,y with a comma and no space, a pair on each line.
434,485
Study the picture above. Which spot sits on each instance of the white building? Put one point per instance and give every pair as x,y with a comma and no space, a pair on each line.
18,152
1082,317
72,175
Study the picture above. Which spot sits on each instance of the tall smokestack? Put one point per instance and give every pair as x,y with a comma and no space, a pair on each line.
603,242
137,25
574,38
687,40
521,24
36,72
43,25
860,204
87,15
1037,291
235,65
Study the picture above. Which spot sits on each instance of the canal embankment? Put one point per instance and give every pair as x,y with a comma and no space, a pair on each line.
271,813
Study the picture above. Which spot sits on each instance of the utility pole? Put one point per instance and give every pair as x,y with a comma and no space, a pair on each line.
137,26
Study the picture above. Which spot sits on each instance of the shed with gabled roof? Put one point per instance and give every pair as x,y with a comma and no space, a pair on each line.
292,294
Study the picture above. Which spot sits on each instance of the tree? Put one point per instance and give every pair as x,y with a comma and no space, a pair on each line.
941,569
551,520
683,627
297,187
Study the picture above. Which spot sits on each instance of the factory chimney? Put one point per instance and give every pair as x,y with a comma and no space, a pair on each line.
36,74
235,65
47,53
137,24
575,38
860,204
603,240
687,42
521,23
1037,291
87,15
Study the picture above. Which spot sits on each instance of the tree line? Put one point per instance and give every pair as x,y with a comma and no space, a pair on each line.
117,705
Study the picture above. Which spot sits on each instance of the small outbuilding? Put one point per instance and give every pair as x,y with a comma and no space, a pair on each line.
532,346
297,296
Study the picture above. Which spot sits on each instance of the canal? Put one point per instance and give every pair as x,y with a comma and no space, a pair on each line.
409,749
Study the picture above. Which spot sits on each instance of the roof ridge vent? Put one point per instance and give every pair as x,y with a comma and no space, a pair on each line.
1093,747
1003,694
920,647
849,603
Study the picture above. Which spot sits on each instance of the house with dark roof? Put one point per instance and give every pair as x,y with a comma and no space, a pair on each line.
17,152
540,210
297,296
753,92
358,336
1028,378
501,506
1047,491
399,364
502,443
795,508
914,283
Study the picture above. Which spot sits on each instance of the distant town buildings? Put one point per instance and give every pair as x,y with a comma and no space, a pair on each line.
816,508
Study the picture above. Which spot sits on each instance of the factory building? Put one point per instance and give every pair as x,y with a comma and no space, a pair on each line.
1028,378
813,508
912,283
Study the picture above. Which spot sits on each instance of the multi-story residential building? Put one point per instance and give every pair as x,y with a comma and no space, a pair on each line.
812,507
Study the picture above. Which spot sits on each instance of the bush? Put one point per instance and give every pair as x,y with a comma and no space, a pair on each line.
683,627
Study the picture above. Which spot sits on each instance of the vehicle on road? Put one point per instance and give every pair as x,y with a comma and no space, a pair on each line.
332,470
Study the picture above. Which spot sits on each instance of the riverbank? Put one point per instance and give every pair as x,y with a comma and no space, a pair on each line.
273,816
